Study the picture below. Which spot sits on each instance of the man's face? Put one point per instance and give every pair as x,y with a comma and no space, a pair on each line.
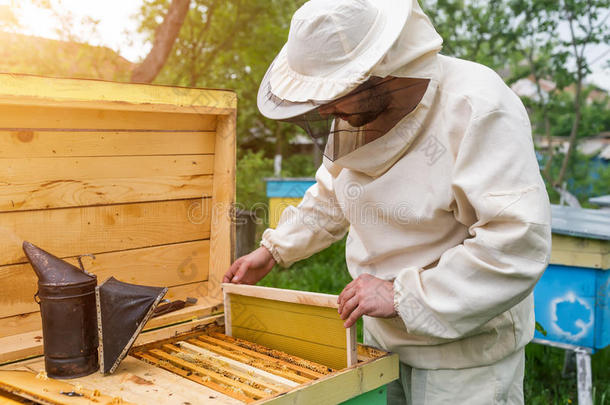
362,106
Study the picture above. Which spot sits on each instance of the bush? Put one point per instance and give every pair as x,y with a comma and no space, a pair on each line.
251,169
298,165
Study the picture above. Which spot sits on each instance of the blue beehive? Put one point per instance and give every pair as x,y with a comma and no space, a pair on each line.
572,299
283,192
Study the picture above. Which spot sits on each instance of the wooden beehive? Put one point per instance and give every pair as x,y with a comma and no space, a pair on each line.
143,178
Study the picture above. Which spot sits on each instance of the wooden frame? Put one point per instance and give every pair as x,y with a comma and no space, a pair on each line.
285,336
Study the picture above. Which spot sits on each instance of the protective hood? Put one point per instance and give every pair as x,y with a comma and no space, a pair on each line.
413,55
418,39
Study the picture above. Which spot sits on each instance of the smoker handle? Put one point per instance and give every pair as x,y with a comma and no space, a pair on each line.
80,262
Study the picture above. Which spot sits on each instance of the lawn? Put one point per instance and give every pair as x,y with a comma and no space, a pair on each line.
326,272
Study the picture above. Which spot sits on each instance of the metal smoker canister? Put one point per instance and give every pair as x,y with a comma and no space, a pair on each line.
66,295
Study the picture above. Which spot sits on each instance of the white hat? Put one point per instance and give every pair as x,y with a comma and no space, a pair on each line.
331,49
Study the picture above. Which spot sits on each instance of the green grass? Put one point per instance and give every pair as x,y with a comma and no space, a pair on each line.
327,272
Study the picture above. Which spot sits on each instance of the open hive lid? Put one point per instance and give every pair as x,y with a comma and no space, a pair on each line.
141,176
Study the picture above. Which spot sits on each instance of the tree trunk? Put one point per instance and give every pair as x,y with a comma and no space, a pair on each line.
573,133
165,36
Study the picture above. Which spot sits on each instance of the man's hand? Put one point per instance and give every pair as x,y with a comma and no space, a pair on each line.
249,269
366,295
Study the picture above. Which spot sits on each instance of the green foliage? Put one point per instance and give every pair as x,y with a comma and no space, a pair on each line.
594,120
522,38
545,385
251,169
589,178
298,165
324,272
472,29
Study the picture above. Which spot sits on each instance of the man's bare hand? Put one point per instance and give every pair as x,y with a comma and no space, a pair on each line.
366,295
249,269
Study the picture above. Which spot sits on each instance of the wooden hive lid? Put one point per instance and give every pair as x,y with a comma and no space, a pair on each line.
141,176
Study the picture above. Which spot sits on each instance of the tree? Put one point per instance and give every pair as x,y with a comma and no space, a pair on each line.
587,26
229,44
165,36
533,56
477,30
521,38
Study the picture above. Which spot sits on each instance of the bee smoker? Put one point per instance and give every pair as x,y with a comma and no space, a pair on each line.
66,295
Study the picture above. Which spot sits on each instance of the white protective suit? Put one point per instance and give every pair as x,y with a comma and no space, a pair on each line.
449,204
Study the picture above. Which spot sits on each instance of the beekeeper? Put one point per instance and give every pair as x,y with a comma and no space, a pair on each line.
430,167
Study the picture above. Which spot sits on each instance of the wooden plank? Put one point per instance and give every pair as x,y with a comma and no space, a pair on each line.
223,197
580,259
74,193
245,368
36,90
150,336
343,385
29,344
580,252
352,346
21,346
73,231
29,322
281,294
197,290
40,183
36,118
227,307
16,172
26,384
9,399
38,144
311,332
142,383
21,323
161,266
584,245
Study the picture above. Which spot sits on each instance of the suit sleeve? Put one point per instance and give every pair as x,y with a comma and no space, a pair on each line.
499,194
313,225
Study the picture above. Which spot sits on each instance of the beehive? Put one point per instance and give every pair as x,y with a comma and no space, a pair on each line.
143,178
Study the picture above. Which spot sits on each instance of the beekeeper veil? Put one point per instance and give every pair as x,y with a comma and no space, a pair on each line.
333,77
